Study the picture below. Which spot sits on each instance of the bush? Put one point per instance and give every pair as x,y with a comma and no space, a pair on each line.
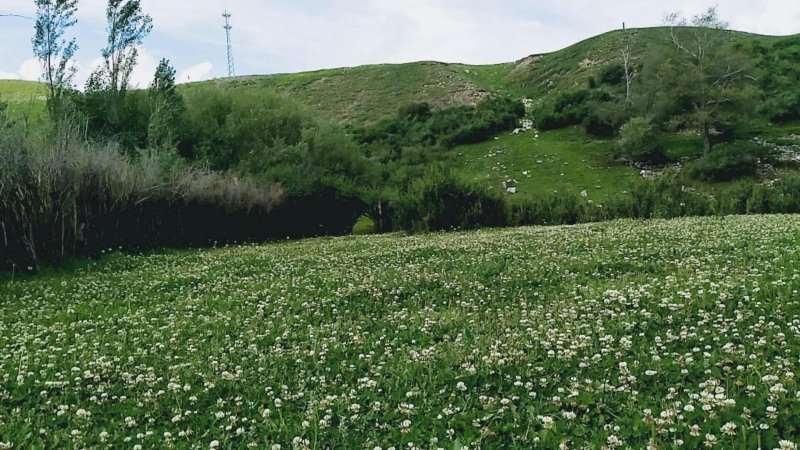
598,125
439,202
728,162
613,74
638,142
575,108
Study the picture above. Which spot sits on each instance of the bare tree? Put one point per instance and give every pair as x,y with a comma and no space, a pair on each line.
630,72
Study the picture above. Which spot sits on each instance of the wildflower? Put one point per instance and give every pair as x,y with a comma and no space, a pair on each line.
786,445
729,429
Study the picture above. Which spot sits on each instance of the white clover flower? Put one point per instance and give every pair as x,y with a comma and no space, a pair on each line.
729,429
786,445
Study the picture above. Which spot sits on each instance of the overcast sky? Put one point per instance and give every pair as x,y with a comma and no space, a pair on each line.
276,36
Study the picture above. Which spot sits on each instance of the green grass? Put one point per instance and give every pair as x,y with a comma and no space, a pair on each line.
631,332
26,99
564,161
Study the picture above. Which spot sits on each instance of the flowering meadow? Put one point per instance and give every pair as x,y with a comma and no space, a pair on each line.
627,334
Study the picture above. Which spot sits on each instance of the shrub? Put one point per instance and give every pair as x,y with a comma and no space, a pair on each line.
638,142
612,74
729,161
439,201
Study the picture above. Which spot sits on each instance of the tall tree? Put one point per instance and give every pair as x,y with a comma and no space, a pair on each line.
701,75
167,107
127,26
55,52
110,111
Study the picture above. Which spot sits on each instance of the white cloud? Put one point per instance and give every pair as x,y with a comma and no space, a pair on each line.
288,36
8,75
200,72
30,70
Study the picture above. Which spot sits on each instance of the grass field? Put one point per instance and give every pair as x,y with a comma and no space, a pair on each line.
621,334
26,99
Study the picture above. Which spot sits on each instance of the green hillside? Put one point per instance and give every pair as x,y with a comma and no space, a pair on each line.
365,94
541,76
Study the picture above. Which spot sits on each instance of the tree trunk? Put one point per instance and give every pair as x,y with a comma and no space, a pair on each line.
706,137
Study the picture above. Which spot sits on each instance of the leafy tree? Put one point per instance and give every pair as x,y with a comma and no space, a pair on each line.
167,106
127,28
700,76
111,109
55,52
638,141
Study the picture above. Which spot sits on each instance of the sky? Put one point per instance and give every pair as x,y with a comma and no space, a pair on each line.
280,36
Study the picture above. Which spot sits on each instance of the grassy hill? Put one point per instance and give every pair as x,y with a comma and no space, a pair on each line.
536,335
365,94
565,160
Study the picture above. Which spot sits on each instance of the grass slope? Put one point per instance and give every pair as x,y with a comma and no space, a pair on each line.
564,161
541,77
25,98
366,94
521,338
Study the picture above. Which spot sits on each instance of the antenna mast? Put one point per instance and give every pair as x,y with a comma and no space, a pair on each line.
227,15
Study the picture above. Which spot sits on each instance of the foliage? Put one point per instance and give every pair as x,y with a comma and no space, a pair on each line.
440,201
419,125
166,119
700,75
127,26
780,78
64,199
728,162
596,110
55,53
109,109
613,74
638,142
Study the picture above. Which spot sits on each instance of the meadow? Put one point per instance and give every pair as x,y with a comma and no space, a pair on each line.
625,334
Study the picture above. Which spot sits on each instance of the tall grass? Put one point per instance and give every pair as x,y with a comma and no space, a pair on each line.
64,197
